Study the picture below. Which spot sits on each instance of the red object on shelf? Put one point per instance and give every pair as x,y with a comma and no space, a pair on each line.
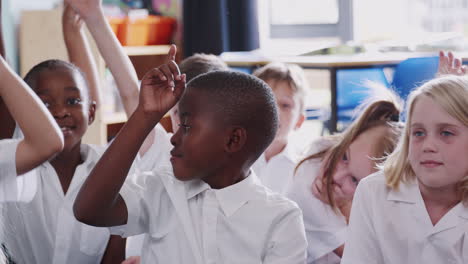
152,30
161,30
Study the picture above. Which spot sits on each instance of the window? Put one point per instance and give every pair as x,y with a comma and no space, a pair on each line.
310,18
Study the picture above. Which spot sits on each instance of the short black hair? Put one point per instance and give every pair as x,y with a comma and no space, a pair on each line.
52,65
243,100
200,63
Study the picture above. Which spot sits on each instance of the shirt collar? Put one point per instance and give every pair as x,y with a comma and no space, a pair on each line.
235,196
231,198
408,192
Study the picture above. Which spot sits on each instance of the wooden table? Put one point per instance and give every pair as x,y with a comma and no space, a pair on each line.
332,63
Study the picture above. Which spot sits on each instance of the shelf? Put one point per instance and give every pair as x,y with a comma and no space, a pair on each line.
114,118
146,50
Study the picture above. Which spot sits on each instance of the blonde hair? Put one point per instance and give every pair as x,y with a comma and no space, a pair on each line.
290,73
375,112
451,93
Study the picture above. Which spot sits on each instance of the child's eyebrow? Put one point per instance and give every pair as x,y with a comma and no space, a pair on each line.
72,88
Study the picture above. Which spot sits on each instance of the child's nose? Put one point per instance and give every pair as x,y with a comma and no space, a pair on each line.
175,137
429,144
59,111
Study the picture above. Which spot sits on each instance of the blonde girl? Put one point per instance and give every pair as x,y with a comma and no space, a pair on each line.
415,209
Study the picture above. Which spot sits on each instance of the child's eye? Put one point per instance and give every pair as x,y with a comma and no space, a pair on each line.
185,128
285,106
418,133
345,156
354,180
446,133
73,101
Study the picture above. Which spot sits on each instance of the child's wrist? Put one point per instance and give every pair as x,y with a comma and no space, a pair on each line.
93,16
149,119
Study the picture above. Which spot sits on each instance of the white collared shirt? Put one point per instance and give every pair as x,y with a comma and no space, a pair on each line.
325,228
159,152
12,187
393,227
277,173
45,230
188,222
8,174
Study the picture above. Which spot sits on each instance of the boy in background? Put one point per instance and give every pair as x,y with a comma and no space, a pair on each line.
275,167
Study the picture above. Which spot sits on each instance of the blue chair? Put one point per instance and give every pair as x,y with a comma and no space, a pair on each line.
350,92
412,73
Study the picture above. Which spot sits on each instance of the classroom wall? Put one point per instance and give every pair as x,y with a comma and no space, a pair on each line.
11,15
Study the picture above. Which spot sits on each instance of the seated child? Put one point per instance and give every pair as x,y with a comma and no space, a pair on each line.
42,137
203,208
415,210
192,67
44,230
275,167
333,167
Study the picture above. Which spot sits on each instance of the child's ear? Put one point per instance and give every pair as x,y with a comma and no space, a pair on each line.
92,112
235,140
300,121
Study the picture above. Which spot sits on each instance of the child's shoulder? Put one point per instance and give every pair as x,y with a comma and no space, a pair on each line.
270,200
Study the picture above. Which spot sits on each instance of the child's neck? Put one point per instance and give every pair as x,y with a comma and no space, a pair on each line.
438,201
274,149
225,179
65,165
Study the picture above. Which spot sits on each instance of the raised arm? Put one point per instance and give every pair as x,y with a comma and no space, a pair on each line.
79,51
8,123
113,54
98,203
42,136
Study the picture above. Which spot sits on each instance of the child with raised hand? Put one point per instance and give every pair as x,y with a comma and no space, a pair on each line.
203,208
415,209
45,230
275,167
326,178
42,137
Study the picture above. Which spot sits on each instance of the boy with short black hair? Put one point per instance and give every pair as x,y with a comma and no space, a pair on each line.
207,207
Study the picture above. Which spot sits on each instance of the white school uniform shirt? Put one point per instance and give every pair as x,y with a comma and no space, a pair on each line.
158,153
277,173
392,227
12,187
45,230
325,229
188,222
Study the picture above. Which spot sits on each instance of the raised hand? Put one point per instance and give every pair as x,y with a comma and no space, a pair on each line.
85,8
71,21
162,87
448,64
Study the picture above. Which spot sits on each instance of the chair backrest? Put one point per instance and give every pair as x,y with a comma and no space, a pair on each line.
351,89
412,73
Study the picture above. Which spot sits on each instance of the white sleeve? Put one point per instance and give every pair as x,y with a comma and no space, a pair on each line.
288,243
8,175
143,197
362,245
325,229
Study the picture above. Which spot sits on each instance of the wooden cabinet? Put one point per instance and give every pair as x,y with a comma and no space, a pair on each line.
41,38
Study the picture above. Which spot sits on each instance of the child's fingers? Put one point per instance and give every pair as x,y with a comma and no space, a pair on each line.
168,73
172,53
450,59
457,63
180,87
174,69
154,73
